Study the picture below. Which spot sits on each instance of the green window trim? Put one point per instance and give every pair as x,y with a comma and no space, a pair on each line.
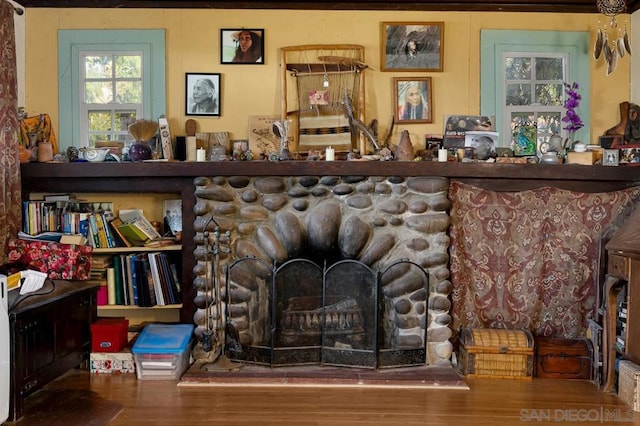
71,42
494,43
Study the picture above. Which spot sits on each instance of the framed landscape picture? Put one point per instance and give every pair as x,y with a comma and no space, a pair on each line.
241,46
412,46
412,98
202,95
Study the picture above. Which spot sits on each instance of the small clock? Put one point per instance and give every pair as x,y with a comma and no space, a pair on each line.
544,147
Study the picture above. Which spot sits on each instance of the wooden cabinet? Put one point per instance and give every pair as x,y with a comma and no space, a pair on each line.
50,334
622,282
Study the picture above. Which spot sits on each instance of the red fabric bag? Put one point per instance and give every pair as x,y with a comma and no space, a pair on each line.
59,261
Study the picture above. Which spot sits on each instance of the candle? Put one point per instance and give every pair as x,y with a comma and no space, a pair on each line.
191,148
443,155
201,155
330,154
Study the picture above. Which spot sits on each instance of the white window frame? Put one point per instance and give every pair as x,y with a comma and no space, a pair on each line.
112,107
70,45
535,108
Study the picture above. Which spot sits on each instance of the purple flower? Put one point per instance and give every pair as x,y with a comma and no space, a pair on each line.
571,104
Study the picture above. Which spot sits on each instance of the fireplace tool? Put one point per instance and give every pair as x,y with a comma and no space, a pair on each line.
221,363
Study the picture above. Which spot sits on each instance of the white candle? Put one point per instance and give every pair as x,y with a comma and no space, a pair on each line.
443,154
191,148
202,155
330,154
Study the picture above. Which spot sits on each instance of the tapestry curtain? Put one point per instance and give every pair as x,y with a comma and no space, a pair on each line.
10,198
529,259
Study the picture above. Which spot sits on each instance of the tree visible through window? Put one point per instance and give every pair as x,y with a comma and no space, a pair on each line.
111,94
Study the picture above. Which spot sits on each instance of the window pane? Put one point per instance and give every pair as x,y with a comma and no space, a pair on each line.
124,118
520,118
98,66
93,137
129,66
99,121
549,69
549,94
98,92
549,123
517,68
518,94
129,92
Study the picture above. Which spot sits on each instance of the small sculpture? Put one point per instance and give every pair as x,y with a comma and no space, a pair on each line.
281,130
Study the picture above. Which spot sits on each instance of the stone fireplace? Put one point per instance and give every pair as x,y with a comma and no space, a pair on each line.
298,246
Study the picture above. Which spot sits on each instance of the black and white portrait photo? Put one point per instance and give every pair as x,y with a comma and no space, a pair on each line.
411,46
202,94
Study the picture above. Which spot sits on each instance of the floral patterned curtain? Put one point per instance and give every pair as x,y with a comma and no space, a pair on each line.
10,198
529,259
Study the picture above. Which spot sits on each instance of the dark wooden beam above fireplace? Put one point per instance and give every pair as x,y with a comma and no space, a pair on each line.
555,6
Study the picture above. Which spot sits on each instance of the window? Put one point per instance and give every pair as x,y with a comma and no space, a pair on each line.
110,95
107,79
522,77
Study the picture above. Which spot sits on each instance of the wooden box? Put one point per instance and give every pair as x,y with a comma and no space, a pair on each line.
496,353
628,378
586,158
560,358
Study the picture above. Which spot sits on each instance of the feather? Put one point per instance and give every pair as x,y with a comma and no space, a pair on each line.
613,62
607,51
627,43
597,47
620,47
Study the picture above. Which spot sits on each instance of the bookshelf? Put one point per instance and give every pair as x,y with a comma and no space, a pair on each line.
153,205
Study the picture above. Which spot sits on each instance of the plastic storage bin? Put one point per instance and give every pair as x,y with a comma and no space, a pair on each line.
161,351
109,334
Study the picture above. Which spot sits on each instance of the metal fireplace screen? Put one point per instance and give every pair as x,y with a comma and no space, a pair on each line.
307,315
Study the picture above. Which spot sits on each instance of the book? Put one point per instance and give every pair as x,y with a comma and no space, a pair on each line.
119,238
133,235
136,217
155,278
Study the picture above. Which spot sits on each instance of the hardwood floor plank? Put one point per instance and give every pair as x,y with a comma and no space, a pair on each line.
488,402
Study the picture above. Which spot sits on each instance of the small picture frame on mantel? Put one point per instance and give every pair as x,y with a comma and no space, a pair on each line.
610,157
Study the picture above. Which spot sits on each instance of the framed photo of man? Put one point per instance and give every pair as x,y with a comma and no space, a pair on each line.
412,100
241,46
202,95
412,46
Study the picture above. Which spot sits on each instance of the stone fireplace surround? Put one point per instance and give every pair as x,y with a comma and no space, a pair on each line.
375,220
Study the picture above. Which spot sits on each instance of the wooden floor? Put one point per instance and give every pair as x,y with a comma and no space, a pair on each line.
488,402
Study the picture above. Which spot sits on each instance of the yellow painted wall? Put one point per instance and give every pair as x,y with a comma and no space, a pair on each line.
192,40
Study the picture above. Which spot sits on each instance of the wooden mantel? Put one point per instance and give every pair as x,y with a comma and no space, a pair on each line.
162,176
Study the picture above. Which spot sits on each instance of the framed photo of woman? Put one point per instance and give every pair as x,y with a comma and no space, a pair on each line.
241,46
412,46
412,100
202,95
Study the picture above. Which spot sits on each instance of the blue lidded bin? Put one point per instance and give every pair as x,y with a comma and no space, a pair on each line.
162,351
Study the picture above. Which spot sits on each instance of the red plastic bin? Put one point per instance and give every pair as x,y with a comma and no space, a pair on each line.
109,334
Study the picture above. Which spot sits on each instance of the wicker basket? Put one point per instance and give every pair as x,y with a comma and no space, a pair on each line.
496,353
628,380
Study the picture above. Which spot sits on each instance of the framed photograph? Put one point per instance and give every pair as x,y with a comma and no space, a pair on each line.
202,94
629,155
412,98
610,157
412,46
241,46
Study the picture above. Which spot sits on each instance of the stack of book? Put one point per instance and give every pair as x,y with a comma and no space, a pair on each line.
134,229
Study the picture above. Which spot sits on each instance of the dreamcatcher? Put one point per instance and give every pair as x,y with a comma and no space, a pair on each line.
612,42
